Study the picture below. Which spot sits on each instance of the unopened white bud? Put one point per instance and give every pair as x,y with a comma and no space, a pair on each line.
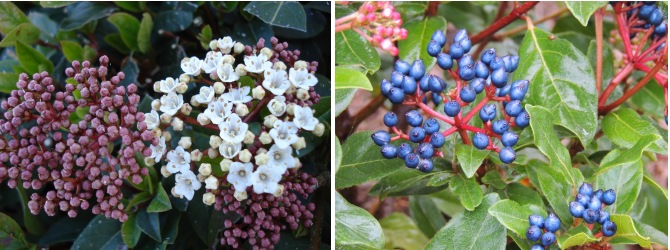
219,88
157,132
208,198
213,44
203,119
240,196
318,130
201,178
279,191
185,142
299,144
165,118
211,183
265,138
215,141
196,155
156,104
279,65
267,52
225,165
167,135
176,195
184,78
298,164
157,86
164,172
186,109
303,94
182,87
300,64
213,153
238,48
269,121
228,59
261,159
249,137
149,161
240,70
245,156
291,90
261,151
258,92
177,124
205,169
195,102
289,108
241,110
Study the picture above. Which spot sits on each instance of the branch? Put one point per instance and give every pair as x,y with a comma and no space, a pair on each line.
599,48
503,22
536,22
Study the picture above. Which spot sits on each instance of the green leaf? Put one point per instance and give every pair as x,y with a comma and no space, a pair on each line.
129,5
144,33
282,14
355,228
512,215
350,78
89,53
171,226
625,180
624,127
83,13
414,47
400,232
65,229
410,182
561,79
627,232
472,230
32,60
447,203
205,36
25,32
556,188
72,51
351,49
173,20
130,231
631,155
653,183
424,211
101,233
468,191
30,221
161,202
522,194
649,99
492,178
8,82
470,158
364,162
583,10
343,98
10,17
128,27
338,154
576,237
149,224
11,235
654,234
138,199
55,4
608,64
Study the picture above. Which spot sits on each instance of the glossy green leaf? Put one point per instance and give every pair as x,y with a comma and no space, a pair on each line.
83,13
556,188
138,199
627,232
355,228
30,221
8,81
472,230
251,32
130,231
343,98
205,36
426,214
72,51
55,4
170,227
583,10
101,233
161,202
128,27
512,215
522,194
129,5
25,32
575,237
173,20
492,178
657,186
447,203
408,181
144,33
149,224
32,60
625,180
421,32
338,154
363,162
353,50
350,78
10,17
608,64
625,127
65,229
285,14
11,235
561,79
132,71
400,232
649,99
654,234
468,191
631,155
470,158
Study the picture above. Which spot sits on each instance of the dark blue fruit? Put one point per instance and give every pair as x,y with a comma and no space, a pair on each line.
586,189
412,160
417,70
499,77
603,216
452,108
423,84
548,238
389,151
467,73
468,94
511,63
488,112
478,84
583,199
509,139
408,85
488,55
456,51
385,86
609,197
396,95
417,135
513,108
481,70
425,165
522,120
414,118
576,209
390,119
590,216
465,60
433,48
402,67
439,37
444,61
507,156
480,141
381,137
437,140
500,126
533,233
397,78
552,223
425,150
609,228
403,150
431,125
436,84
536,220
496,63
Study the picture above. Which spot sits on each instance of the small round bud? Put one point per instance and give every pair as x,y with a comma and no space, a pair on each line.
267,52
225,165
269,121
177,124
228,59
213,45
258,92
245,156
211,182
219,88
196,155
203,120
261,159
240,196
208,198
215,141
241,110
240,70
157,86
249,137
319,129
185,142
167,135
205,169
212,153
303,94
279,65
184,78
165,172
279,191
300,144
156,104
265,138
149,161
238,48
300,64
165,118
182,87
289,108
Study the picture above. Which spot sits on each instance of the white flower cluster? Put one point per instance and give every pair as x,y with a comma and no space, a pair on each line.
225,105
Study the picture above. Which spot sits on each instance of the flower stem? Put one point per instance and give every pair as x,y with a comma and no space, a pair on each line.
599,48
503,22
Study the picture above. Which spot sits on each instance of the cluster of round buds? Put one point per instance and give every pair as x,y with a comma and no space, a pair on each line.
588,205
379,23
261,162
43,143
410,85
542,229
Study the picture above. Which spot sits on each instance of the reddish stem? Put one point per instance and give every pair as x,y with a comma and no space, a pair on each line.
192,121
619,77
503,22
637,87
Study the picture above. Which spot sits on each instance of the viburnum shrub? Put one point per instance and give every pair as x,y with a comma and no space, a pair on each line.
550,139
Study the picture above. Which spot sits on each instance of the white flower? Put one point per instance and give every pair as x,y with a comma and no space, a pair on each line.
265,180
212,60
277,105
280,159
301,78
233,129
168,85
304,118
152,120
171,103
191,66
276,81
158,151
178,160
257,63
240,175
230,149
226,73
206,95
225,44
284,133
211,182
186,183
218,110
238,95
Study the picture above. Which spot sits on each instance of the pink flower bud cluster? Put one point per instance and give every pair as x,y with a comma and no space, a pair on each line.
264,215
75,161
383,23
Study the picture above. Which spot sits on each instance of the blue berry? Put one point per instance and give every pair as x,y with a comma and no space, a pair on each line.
533,233
417,135
500,126
481,70
468,94
522,120
537,247
396,95
488,112
402,67
408,85
576,209
425,165
552,223
513,108
603,216
496,63
403,150
509,139
423,83
598,194
385,86
480,141
437,99
518,92
456,51
452,108
511,63
433,48
467,73
503,91
645,11
548,238
466,44
397,79
536,220
411,160
590,216
390,119
507,155
436,84
389,151
586,189
465,61
444,61
609,228
417,70
609,197
656,17
499,77
478,84
594,204
488,55
460,35
439,37
661,29
425,150
431,125
381,137
583,199
437,140
414,118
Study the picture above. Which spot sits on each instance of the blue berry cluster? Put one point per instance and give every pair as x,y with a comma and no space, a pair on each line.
589,205
542,229
652,16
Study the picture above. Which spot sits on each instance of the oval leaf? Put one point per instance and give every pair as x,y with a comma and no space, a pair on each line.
420,33
400,232
625,180
10,17
80,14
161,202
144,33
627,232
355,228
470,158
285,14
424,211
25,32
468,191
343,98
32,60
128,27
576,237
409,182
350,78
583,10
364,162
72,50
625,127
353,50
101,233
